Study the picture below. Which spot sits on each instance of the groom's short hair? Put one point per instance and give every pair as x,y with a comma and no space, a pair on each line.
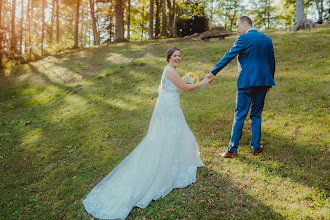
245,19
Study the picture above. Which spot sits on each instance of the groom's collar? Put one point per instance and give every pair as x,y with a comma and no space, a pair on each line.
251,29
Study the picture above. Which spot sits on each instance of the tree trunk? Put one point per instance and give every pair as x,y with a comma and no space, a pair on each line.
30,13
172,18
76,34
231,17
21,34
322,10
151,20
110,30
1,38
57,21
123,23
43,27
95,32
157,25
29,22
89,38
13,33
52,23
142,23
211,16
82,42
300,22
175,19
128,21
119,35
164,19
226,14
268,14
0,13
300,15
319,10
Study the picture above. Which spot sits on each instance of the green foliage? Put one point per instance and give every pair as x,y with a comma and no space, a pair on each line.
233,9
263,14
285,13
192,18
193,8
66,121
189,26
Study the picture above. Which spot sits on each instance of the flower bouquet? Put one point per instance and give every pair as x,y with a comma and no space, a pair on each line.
191,78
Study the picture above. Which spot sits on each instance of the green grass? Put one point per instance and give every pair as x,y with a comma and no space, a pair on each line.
66,121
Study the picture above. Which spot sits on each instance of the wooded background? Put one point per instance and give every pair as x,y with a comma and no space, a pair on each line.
30,29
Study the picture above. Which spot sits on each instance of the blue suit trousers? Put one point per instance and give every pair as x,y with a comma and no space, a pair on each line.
246,97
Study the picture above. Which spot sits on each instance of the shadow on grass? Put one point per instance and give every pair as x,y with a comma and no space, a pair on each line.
303,163
213,196
62,155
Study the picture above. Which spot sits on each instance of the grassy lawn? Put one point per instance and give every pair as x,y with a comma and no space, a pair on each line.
66,121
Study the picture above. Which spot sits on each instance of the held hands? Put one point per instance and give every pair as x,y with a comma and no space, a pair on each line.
206,80
211,77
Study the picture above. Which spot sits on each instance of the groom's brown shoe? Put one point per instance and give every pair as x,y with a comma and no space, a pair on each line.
260,149
227,154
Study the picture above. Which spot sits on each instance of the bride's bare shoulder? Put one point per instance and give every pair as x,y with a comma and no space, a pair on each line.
170,71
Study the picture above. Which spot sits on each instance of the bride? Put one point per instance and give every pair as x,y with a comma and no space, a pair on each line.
166,158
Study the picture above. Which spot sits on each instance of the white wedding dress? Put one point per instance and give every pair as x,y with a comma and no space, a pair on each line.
166,158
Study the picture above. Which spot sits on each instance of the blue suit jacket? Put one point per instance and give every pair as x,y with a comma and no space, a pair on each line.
256,61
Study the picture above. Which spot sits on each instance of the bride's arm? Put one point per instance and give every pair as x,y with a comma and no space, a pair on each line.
173,75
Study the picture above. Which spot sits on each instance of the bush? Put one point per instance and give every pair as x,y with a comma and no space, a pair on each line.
189,26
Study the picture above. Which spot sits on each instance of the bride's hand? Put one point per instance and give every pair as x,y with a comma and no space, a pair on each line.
206,80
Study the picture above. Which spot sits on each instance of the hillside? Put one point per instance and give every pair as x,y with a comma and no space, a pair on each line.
66,121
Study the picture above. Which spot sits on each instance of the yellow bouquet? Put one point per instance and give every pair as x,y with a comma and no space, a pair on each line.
191,78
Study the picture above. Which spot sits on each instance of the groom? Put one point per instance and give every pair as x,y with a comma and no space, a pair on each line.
256,68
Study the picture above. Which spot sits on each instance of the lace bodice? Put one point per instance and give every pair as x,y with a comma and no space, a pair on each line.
166,84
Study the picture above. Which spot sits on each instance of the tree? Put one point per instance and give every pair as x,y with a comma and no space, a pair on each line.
2,35
151,20
212,11
43,27
300,21
192,18
30,16
163,4
21,29
320,10
52,23
82,15
172,18
300,14
95,32
111,25
285,13
128,20
233,10
57,21
263,13
119,35
157,25
76,26
0,13
13,33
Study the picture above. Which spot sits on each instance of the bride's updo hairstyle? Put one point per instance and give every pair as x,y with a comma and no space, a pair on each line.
170,52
